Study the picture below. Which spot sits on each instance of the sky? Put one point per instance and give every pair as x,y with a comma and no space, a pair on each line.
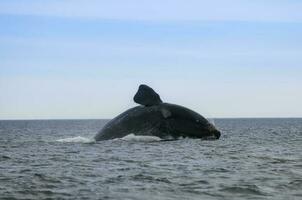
77,59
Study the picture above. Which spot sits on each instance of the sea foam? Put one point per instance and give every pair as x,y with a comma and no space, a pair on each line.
77,139
140,138
130,137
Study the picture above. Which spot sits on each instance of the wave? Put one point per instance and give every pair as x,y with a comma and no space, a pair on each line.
77,139
130,137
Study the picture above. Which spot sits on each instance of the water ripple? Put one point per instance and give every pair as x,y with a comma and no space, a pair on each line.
254,159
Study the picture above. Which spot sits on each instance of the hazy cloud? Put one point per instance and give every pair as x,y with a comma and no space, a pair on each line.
158,10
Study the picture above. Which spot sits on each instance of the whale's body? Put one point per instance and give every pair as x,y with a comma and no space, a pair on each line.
154,118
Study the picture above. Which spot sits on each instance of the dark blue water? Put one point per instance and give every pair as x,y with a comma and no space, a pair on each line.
254,159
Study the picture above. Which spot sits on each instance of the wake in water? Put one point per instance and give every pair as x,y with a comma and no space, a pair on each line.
140,138
130,137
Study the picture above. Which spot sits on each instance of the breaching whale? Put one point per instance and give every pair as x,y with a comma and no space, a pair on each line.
155,118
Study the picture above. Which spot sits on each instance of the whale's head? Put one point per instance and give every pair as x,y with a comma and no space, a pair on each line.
213,132
176,120
182,121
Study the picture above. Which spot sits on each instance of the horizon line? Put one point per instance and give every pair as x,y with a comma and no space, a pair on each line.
61,119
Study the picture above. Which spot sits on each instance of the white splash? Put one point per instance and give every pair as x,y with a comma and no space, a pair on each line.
211,120
77,139
140,138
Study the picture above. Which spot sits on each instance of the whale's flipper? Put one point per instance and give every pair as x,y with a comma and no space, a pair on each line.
146,96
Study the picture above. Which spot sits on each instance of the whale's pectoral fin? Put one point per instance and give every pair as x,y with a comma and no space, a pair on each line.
146,96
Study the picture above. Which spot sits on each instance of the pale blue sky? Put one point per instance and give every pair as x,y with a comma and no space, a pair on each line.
85,59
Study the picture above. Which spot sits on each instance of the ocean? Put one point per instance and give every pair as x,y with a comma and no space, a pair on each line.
58,159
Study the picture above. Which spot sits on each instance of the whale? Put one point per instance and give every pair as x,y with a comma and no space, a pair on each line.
153,117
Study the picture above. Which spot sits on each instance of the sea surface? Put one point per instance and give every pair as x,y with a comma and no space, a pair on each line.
57,159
